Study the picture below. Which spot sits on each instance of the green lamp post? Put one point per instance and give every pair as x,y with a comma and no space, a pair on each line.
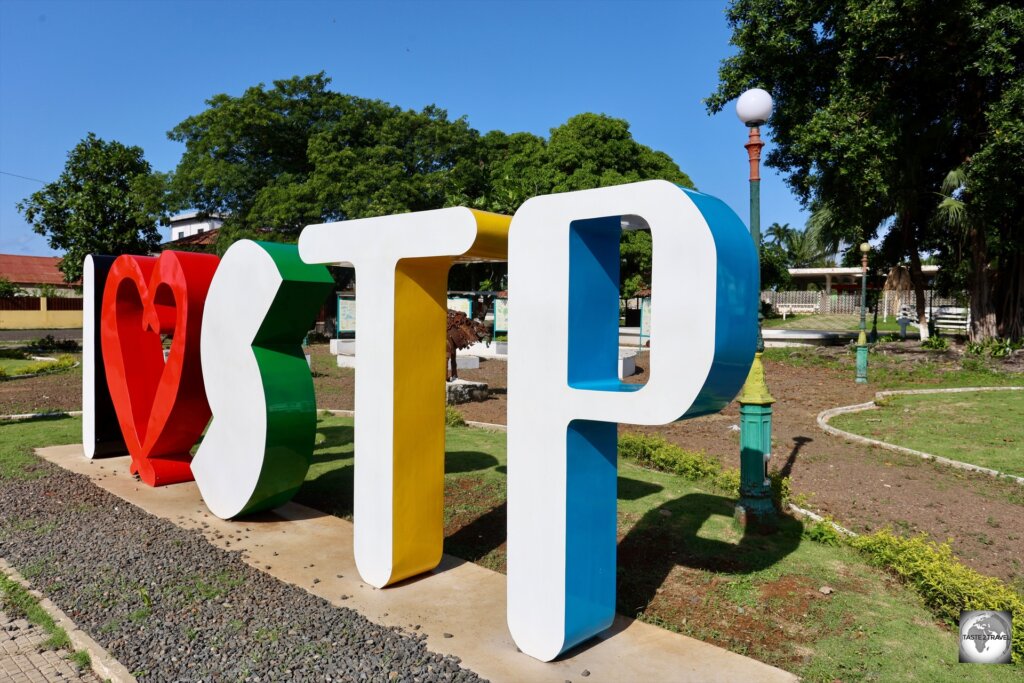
754,107
862,340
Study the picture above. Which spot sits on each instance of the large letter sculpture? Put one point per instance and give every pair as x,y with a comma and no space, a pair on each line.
161,405
261,303
101,434
402,267
564,402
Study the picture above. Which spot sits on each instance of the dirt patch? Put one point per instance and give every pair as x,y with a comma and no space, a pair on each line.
45,393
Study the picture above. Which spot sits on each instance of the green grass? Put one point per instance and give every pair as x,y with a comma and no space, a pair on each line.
17,439
896,373
837,322
685,565
984,428
15,366
18,602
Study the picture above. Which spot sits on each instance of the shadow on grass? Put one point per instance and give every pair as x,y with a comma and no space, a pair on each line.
659,542
487,532
331,489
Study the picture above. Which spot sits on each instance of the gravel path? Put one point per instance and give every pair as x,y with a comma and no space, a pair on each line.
172,607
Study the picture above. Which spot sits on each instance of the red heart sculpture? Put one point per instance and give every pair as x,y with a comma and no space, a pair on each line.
160,406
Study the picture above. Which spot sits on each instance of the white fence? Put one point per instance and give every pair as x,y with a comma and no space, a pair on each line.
836,303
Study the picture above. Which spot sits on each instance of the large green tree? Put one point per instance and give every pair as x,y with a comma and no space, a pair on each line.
271,161
876,102
107,200
586,152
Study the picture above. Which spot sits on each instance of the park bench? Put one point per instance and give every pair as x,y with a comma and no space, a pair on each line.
786,309
952,318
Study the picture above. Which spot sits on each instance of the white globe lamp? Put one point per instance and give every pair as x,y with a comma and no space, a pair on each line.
754,107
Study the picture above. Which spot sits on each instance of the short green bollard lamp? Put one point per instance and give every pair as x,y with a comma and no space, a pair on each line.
755,504
862,340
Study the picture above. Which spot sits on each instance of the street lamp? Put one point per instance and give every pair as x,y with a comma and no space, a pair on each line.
754,107
862,340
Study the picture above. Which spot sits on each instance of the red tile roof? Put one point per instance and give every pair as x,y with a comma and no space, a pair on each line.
202,239
32,270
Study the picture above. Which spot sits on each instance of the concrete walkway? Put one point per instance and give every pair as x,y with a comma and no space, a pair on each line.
459,606
22,660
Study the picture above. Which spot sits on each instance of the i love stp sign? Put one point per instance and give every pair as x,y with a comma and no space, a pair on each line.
237,325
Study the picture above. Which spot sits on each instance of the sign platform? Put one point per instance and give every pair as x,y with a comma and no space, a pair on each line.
457,597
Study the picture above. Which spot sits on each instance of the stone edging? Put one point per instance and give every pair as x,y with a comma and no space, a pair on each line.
103,665
826,415
36,416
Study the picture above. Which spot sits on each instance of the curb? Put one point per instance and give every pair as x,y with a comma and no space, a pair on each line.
36,416
102,664
826,415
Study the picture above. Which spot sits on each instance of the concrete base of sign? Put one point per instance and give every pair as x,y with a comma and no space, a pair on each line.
464,391
346,361
492,351
458,598
343,346
627,363
467,362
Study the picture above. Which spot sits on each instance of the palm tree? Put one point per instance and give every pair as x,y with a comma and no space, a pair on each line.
953,213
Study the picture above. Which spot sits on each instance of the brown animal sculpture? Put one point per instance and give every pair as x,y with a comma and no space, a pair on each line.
463,332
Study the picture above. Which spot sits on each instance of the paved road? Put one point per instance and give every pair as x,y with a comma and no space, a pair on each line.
31,335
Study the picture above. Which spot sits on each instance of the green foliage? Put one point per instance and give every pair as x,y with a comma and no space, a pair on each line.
43,367
657,453
107,200
935,343
945,584
50,343
875,103
273,160
823,532
14,354
453,418
994,347
19,602
8,289
654,452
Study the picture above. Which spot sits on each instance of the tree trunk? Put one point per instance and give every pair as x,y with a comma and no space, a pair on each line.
1009,295
983,313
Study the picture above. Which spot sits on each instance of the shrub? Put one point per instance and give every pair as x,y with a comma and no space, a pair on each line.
823,532
935,343
50,343
453,418
943,582
656,453
14,354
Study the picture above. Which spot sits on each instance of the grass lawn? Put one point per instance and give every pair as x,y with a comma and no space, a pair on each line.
686,566
683,563
844,322
14,366
981,428
893,373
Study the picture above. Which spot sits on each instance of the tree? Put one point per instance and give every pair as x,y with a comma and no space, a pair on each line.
876,101
271,161
586,152
107,200
8,289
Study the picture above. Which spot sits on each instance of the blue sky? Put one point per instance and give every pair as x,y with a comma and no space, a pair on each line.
130,71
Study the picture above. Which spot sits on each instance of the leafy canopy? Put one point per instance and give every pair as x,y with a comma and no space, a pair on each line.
107,200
